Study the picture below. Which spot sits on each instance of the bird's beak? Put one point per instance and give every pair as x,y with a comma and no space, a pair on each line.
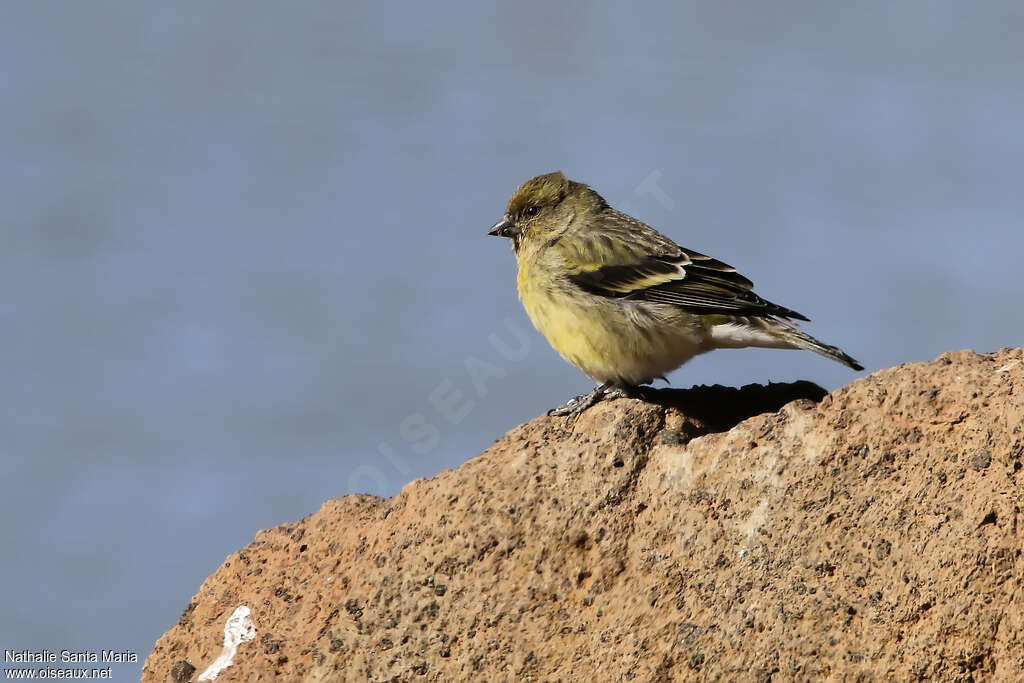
504,228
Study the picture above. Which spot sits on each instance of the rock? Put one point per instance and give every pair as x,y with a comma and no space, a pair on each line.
713,533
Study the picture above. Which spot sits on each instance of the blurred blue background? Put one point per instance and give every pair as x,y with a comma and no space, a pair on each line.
245,268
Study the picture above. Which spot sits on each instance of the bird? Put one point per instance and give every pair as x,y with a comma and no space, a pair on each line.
624,303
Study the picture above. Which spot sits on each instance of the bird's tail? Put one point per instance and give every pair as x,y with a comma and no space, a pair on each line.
740,331
802,340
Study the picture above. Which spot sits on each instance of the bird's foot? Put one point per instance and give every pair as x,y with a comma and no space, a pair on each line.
575,406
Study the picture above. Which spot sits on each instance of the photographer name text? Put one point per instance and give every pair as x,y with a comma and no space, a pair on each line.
66,656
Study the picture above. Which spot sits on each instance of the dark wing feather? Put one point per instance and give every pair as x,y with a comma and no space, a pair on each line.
686,278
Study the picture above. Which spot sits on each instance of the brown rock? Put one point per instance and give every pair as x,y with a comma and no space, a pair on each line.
870,535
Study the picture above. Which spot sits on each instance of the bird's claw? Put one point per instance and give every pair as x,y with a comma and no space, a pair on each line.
576,405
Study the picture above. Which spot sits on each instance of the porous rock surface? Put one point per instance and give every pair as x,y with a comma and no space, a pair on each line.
707,534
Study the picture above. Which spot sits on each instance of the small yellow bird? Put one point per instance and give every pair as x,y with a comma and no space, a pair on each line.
624,303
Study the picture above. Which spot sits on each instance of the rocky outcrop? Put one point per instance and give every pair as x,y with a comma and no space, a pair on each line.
719,534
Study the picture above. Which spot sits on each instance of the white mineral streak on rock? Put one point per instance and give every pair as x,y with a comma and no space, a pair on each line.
238,629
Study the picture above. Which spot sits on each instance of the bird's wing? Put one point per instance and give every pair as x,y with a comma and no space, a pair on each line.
629,259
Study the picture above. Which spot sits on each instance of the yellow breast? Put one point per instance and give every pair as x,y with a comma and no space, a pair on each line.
610,340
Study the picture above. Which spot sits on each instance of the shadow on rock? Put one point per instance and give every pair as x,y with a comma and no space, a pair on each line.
706,410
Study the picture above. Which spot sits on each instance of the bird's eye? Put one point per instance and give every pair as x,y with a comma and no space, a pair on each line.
532,210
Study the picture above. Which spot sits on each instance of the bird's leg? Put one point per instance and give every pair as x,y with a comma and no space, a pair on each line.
577,405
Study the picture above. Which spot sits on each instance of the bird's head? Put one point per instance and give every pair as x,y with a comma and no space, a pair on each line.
543,207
